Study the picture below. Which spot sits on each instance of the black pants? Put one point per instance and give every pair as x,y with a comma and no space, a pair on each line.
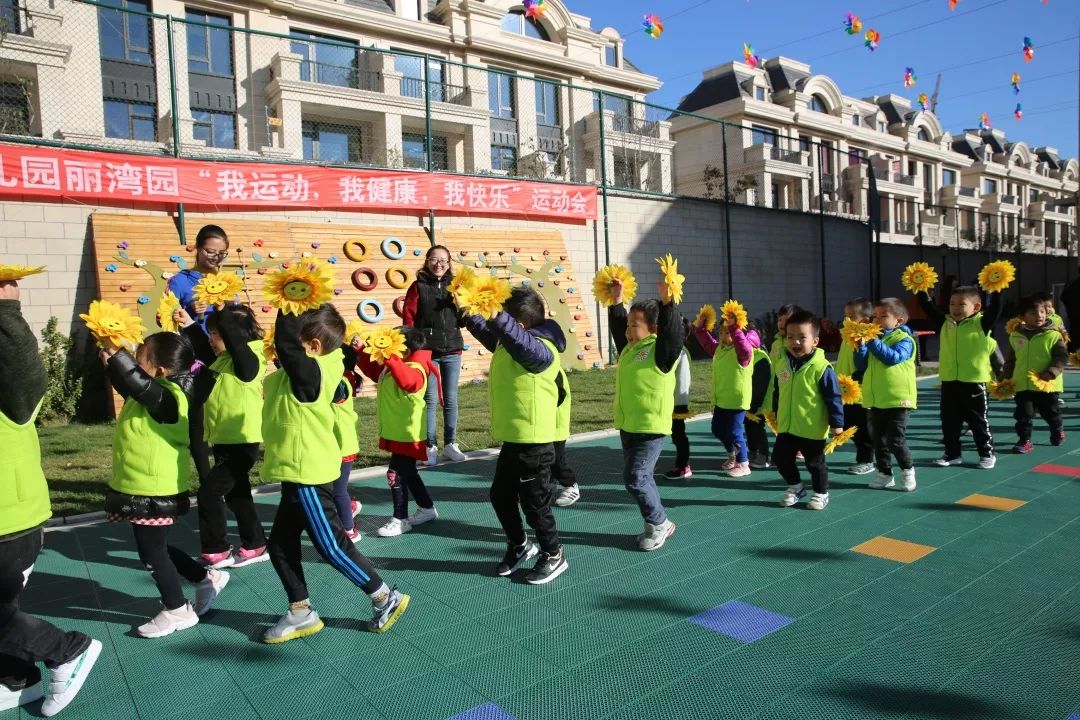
24,639
403,478
757,440
681,442
1027,402
813,452
200,449
312,508
228,484
964,402
166,563
888,428
523,477
864,444
561,472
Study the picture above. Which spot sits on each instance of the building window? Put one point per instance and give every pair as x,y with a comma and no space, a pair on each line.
547,103
626,172
856,156
125,35
501,95
130,121
410,9
210,49
759,93
412,80
414,152
14,109
923,135
611,56
1033,195
880,126
516,22
331,143
805,144
948,177
216,129
816,104
760,135
10,18
330,63
989,186
855,120
504,159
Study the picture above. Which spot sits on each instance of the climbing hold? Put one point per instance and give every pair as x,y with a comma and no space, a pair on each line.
355,250
540,284
577,317
337,291
189,248
581,356
570,290
257,257
480,352
305,254
285,265
558,268
399,306
529,270
272,254
532,257
143,299
501,252
596,365
547,252
258,242
580,307
395,254
588,333
266,308
166,275
418,252
125,287
262,271
555,281
315,246
365,279
525,282
332,260
122,245
370,311
478,263
517,249
573,329
588,347
562,300
562,257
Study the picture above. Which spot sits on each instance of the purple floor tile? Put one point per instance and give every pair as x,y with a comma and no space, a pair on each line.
487,711
741,621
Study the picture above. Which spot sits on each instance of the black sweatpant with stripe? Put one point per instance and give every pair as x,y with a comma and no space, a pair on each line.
312,508
965,402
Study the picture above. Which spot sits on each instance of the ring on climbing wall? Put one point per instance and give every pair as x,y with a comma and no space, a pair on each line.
397,254
399,306
397,276
355,250
365,279
370,311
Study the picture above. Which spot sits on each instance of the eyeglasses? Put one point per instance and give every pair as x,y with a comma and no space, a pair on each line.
436,261
214,253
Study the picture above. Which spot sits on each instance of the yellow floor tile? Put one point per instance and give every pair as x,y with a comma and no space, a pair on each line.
890,549
991,502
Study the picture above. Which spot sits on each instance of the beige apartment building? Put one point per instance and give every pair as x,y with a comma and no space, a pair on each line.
797,142
337,81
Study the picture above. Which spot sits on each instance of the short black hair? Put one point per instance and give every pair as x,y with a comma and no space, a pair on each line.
210,231
1043,297
805,317
170,351
325,324
789,309
1027,304
968,292
526,306
242,318
863,306
894,306
414,339
650,309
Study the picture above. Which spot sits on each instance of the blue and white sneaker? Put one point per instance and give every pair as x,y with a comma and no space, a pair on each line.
792,495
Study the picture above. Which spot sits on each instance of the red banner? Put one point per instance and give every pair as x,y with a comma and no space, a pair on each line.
33,171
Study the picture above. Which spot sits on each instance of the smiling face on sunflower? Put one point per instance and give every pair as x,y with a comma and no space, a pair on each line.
218,288
301,287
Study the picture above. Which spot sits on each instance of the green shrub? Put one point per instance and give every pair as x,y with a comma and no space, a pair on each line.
63,387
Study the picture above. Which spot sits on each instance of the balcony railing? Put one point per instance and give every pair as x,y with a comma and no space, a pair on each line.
828,182
791,156
965,191
634,126
903,179
904,227
440,91
340,76
1008,200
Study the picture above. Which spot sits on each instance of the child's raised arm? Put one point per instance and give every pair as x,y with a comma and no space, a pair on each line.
706,340
245,363
891,354
407,377
133,383
525,349
669,337
303,370
617,322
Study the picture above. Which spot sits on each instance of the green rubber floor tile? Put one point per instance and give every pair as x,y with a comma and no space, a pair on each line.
181,691
558,697
503,670
435,696
453,643
317,691
259,664
230,703
384,661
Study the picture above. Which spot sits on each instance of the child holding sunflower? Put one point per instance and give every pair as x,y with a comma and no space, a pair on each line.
1035,361
856,310
402,417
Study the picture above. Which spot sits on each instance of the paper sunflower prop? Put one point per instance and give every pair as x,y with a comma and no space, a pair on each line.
608,275
838,440
218,288
300,287
18,272
997,276
1040,384
356,329
113,325
855,332
752,417
706,318
669,266
872,37
165,309
1074,359
850,389
770,421
852,24
384,343
483,297
1013,325
733,311
919,277
463,276
269,351
1002,389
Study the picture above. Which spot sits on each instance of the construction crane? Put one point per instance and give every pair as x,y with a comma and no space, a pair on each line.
934,97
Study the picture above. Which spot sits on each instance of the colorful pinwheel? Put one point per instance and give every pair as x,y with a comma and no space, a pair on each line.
923,101
653,27
1016,83
1029,50
909,77
748,55
534,9
1018,113
984,121
873,37
852,24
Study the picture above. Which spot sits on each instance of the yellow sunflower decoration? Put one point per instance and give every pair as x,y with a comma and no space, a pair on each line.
302,286
996,276
1002,389
850,389
167,306
1013,325
706,318
669,266
609,275
464,276
838,440
356,329
484,296
218,288
753,417
113,325
1074,359
383,343
855,332
1040,384
733,311
770,421
919,277
269,351
18,272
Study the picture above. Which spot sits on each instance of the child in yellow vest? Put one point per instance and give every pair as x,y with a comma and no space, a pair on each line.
779,343
402,416
231,396
889,392
523,397
24,639
649,339
681,412
304,455
732,389
149,482
345,419
805,400
757,439
1036,346
967,348
860,310
561,472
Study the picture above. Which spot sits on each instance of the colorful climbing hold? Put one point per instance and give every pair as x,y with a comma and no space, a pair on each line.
588,333
257,257
540,284
140,263
166,275
418,252
262,271
122,254
581,356
258,242
266,308
125,287
123,245
332,260
272,254
315,245
143,300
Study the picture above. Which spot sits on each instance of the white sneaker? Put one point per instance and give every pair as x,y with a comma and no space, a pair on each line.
394,527
988,462
292,625
568,496
423,515
946,461
655,536
792,495
65,681
167,622
907,480
883,481
861,469
452,452
432,455
819,501
10,699
206,591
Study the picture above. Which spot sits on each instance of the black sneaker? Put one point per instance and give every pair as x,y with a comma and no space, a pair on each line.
1057,438
548,567
515,557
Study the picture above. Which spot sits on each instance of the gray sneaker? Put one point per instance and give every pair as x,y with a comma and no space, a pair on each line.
206,592
655,536
568,496
294,624
383,617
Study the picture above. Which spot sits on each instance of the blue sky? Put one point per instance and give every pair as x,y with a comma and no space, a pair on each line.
985,37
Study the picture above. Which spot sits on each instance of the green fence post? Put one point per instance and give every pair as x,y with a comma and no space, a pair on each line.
174,102
427,110
727,214
603,198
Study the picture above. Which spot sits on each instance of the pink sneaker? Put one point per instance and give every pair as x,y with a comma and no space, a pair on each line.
218,560
353,534
243,556
739,470
355,506
728,464
679,473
